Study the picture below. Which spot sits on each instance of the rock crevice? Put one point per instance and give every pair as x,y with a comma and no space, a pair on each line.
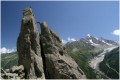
44,60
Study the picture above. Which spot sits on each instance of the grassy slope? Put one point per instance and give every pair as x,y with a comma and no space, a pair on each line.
8,60
82,61
110,64
82,57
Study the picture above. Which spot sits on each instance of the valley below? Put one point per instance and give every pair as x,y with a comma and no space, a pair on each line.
94,63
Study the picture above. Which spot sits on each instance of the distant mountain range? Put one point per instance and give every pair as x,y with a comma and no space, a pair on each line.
97,41
94,42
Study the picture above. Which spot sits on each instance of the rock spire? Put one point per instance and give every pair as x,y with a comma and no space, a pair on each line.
28,47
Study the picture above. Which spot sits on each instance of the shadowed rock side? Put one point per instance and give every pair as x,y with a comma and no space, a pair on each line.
28,47
58,65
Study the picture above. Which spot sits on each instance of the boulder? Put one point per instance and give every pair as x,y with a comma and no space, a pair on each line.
58,64
16,72
16,69
28,47
7,70
11,75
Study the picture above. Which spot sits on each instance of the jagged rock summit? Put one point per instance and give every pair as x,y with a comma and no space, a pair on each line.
42,55
28,47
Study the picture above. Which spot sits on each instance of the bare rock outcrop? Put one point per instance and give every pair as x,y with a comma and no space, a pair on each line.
16,72
58,65
28,47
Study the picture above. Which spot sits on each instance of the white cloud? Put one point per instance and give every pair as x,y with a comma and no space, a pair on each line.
68,40
64,41
116,32
5,50
71,39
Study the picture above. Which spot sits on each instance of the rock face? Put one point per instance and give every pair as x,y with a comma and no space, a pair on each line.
28,47
58,65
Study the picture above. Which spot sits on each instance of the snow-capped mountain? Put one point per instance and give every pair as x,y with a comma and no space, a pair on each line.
98,41
90,43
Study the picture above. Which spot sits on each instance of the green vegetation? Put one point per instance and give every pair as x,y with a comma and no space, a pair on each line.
82,60
110,64
82,54
8,60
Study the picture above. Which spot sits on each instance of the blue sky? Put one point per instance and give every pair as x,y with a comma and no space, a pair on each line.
68,19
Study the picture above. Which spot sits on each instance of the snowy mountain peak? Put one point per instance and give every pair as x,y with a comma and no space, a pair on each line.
88,35
97,38
99,41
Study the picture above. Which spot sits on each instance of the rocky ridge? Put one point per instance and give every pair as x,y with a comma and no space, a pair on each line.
58,63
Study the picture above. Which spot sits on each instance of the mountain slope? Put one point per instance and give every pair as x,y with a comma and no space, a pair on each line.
110,64
82,61
85,49
82,58
82,52
8,60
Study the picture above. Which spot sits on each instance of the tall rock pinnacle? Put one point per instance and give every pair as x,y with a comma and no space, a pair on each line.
58,65
43,56
28,47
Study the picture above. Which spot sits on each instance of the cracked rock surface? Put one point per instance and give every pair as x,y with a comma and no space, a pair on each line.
59,65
